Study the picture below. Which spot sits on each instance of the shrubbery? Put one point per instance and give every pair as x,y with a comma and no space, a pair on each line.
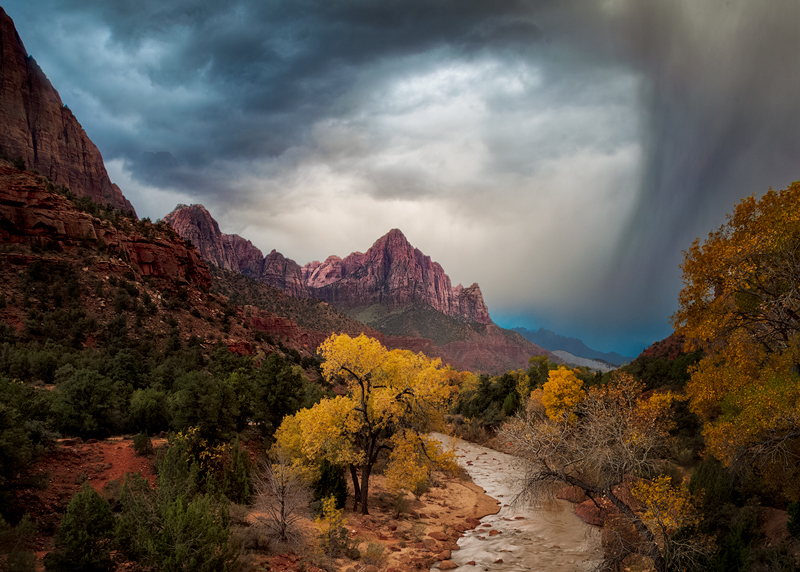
331,483
84,541
177,527
142,444
16,546
793,525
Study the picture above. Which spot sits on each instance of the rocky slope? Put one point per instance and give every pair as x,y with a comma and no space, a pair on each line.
39,225
42,131
31,214
232,252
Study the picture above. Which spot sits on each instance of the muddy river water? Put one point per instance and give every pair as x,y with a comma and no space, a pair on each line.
549,539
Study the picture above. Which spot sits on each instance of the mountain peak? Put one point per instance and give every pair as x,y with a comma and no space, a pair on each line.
396,234
394,239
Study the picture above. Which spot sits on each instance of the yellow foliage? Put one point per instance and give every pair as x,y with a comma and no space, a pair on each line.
324,432
666,507
351,359
412,459
330,525
740,304
208,458
561,393
523,385
535,405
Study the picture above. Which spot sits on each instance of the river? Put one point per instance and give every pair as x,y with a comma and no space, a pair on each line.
550,539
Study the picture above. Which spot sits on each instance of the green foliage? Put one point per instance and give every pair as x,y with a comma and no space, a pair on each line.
331,483
84,539
511,404
148,410
173,528
714,484
16,546
207,402
793,525
16,448
492,399
88,404
16,452
657,372
142,444
193,536
278,390
734,551
539,370
237,472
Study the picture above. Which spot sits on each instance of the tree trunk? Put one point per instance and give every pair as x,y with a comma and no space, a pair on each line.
356,488
365,470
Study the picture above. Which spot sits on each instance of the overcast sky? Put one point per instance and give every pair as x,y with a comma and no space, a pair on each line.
560,153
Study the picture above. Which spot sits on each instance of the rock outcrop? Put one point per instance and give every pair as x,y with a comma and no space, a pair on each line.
232,252
393,274
669,348
32,215
41,130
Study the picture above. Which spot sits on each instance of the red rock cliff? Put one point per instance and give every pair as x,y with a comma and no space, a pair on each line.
32,215
394,274
194,223
39,128
234,253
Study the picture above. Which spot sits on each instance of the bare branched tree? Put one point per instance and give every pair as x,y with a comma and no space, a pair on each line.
281,496
613,434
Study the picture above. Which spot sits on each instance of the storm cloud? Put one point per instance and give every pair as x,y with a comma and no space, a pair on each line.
560,153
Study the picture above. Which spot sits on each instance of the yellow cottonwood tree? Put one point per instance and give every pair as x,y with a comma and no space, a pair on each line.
562,392
394,398
740,304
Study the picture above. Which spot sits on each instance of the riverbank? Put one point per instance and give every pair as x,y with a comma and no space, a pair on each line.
550,538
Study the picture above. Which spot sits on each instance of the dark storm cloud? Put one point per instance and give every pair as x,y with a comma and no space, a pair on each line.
276,67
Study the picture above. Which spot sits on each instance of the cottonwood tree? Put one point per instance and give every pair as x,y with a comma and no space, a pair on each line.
605,438
740,305
394,398
561,393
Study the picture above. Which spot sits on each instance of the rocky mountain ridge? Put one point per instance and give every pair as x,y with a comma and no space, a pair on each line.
394,289
392,273
41,131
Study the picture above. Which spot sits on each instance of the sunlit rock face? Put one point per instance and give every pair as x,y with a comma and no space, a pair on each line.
394,274
37,127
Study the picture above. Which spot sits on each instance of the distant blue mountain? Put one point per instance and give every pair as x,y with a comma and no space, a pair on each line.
552,341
